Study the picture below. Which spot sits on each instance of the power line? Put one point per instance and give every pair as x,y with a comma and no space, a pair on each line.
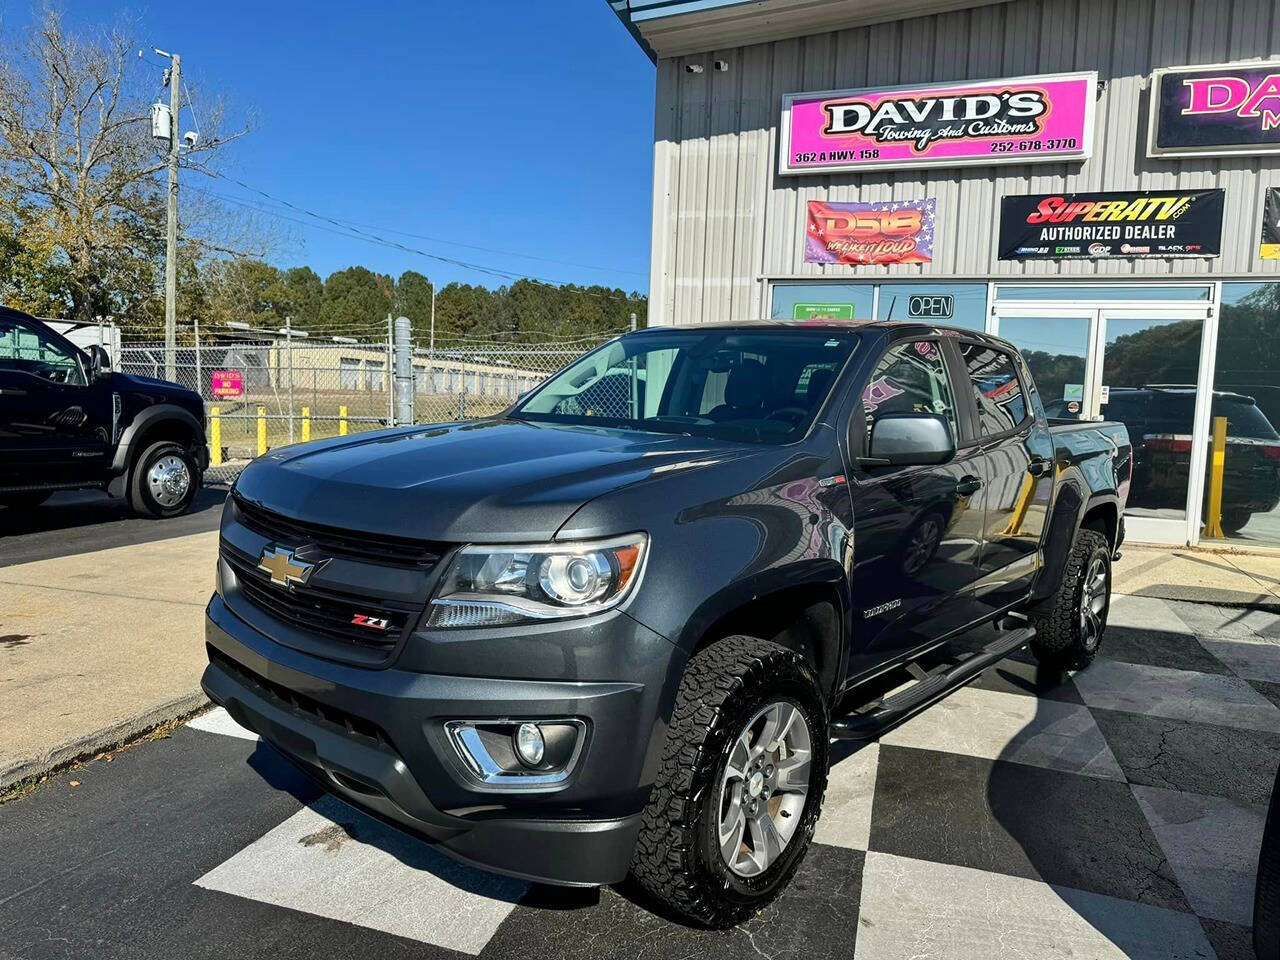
353,231
452,243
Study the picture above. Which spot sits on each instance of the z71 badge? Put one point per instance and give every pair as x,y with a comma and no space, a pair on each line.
373,623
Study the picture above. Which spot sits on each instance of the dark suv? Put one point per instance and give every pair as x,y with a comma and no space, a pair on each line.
68,422
1159,419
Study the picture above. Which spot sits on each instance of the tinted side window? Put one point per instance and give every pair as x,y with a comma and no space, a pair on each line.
1001,403
910,378
32,351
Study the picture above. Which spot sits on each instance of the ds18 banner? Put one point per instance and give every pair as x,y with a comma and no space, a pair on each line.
894,231
1177,223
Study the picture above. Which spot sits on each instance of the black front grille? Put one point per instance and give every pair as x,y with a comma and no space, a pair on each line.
335,541
328,613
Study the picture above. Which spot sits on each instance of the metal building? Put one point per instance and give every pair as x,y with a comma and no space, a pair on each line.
1088,178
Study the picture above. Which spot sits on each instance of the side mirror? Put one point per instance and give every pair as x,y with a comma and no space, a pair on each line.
99,361
910,439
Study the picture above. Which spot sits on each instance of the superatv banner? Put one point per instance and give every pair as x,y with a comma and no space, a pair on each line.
896,231
1177,223
1022,120
1215,111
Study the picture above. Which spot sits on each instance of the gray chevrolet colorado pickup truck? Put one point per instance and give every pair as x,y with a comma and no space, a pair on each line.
614,629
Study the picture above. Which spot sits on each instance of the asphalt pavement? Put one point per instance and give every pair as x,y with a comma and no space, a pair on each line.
81,521
1113,813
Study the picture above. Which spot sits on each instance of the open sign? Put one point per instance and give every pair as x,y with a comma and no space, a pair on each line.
922,306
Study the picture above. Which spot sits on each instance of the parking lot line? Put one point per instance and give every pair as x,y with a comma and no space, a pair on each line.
332,861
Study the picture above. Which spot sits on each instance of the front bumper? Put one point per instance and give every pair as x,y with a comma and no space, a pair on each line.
376,738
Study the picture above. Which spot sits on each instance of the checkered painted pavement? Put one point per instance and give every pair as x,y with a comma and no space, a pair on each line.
1115,814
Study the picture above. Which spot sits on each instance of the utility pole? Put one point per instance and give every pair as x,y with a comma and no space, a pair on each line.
432,348
171,241
288,343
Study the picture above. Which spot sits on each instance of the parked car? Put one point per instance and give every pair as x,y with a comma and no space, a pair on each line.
68,422
581,639
1159,420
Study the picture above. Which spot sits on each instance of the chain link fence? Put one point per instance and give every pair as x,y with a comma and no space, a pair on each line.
263,394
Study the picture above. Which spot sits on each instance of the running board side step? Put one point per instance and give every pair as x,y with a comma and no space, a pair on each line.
893,709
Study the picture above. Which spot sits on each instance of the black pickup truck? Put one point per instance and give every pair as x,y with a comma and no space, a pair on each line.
614,629
67,422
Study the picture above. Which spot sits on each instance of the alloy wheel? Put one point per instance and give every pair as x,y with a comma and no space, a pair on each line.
764,788
1093,603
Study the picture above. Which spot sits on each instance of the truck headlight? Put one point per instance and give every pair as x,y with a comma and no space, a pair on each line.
499,585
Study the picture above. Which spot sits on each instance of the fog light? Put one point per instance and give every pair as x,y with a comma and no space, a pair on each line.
529,744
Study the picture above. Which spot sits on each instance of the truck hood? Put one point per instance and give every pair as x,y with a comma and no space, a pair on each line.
488,480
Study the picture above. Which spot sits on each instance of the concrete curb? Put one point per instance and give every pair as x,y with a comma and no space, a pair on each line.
108,738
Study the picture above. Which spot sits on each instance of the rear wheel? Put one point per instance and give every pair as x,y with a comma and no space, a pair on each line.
1069,625
164,480
740,787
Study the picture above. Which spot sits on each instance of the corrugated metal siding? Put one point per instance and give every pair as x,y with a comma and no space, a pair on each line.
724,218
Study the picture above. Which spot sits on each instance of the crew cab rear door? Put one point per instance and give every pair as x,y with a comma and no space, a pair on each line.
917,535
1017,464
54,423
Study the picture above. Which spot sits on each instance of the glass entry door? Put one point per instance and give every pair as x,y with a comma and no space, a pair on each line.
1137,365
1150,368
1058,347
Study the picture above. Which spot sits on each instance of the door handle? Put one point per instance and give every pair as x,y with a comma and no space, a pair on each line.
12,392
1039,466
968,484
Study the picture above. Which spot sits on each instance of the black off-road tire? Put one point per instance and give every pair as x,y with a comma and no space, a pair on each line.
677,860
26,500
1062,641
1266,901
141,497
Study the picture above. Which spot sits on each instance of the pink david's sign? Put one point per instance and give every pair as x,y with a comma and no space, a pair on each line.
1022,120
226,384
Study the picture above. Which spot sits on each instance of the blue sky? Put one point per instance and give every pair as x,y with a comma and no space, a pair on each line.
522,126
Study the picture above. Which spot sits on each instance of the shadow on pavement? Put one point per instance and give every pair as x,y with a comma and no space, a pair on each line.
83,521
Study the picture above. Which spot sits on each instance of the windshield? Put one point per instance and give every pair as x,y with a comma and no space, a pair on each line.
763,387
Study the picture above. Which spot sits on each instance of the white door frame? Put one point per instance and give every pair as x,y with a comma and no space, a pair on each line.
1140,529
1093,355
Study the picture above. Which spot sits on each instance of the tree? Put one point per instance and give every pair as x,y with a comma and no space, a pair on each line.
356,302
413,300
77,158
300,293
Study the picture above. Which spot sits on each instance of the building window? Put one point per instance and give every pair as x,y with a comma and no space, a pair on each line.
1246,393
833,301
949,304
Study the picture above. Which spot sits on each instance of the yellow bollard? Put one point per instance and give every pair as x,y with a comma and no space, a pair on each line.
262,430
342,421
215,436
306,424
1218,458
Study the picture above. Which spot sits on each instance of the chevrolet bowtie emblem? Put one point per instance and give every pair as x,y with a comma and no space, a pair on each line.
283,568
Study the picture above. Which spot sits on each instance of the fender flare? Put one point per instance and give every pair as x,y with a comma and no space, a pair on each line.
823,574
125,451
1069,511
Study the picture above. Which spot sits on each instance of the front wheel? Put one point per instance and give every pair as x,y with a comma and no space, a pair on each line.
164,480
1069,625
738,794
